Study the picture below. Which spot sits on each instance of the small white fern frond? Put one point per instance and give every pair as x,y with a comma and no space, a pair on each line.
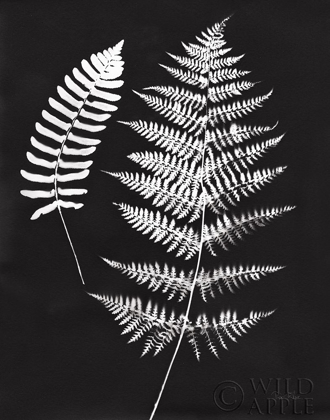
178,284
235,110
203,67
218,63
83,104
173,141
238,159
162,330
169,167
227,189
196,100
198,66
187,76
203,53
167,279
224,138
217,332
230,277
182,200
140,321
180,114
225,74
184,239
211,44
228,90
229,229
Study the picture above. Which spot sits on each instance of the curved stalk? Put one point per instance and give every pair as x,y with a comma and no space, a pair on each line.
71,244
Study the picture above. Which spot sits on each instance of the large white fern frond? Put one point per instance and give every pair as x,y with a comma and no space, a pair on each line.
203,168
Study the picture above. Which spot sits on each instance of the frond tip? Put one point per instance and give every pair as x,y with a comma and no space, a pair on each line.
162,329
86,101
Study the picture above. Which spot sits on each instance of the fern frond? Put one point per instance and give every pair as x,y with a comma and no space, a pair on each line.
230,277
187,76
192,64
196,100
198,66
211,43
223,138
235,110
222,75
178,283
227,327
204,53
228,230
85,102
205,168
184,239
169,167
227,189
138,321
162,329
182,115
238,159
219,63
173,141
228,90
180,198
166,278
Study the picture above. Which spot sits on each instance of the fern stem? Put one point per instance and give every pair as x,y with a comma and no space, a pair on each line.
186,319
71,244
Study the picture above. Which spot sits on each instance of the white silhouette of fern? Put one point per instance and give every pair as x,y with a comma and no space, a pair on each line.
202,167
83,105
178,175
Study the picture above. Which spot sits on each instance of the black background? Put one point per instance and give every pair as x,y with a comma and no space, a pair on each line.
61,354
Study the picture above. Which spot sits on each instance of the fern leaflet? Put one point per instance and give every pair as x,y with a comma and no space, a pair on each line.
170,281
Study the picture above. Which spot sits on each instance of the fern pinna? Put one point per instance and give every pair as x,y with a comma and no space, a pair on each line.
84,103
202,168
